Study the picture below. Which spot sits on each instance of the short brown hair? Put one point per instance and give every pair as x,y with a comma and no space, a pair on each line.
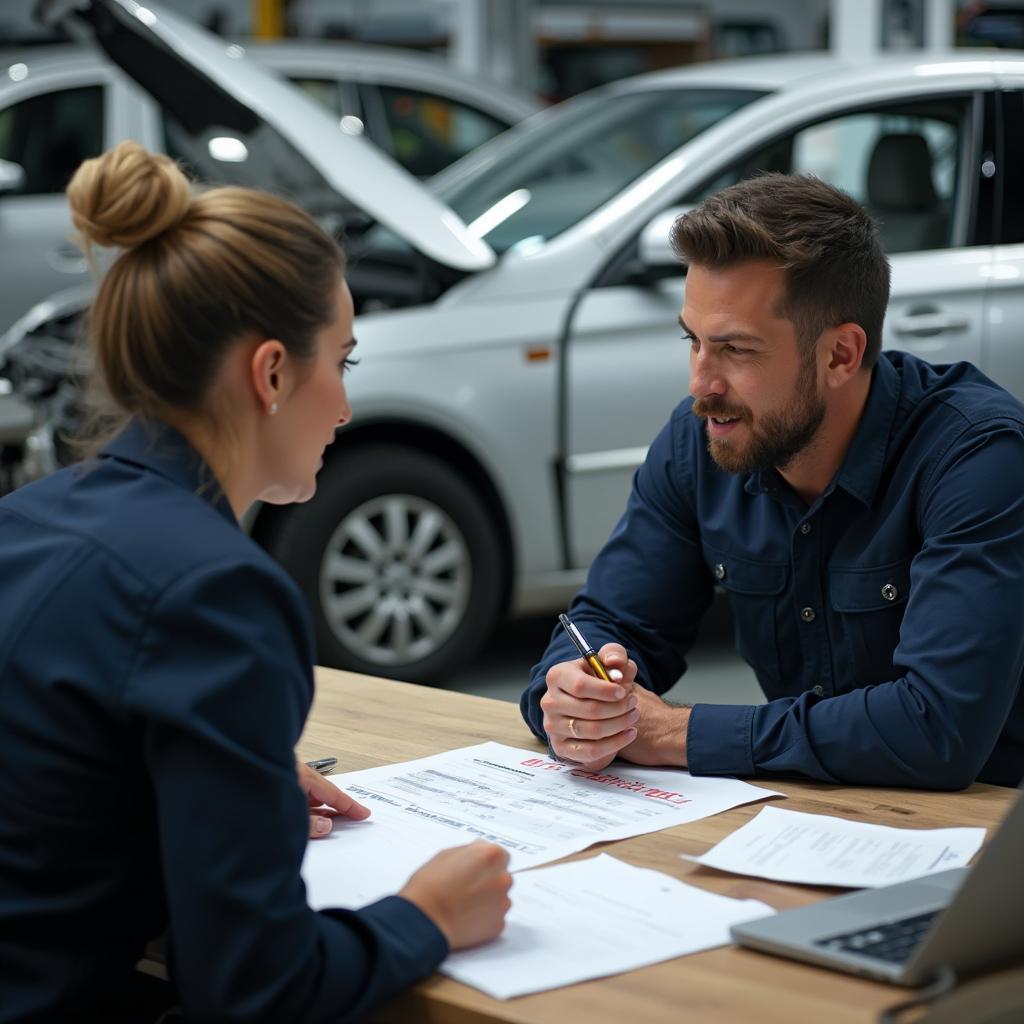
196,274
824,240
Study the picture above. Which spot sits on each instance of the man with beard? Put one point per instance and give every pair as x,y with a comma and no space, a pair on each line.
863,511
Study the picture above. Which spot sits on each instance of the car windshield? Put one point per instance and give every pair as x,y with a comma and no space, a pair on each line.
256,158
580,157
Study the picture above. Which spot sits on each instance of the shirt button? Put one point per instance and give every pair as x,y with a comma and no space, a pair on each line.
807,614
719,571
818,691
805,528
889,592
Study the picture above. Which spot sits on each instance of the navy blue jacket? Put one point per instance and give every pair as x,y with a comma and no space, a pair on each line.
155,675
885,622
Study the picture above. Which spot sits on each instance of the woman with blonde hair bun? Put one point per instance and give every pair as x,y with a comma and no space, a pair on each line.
155,663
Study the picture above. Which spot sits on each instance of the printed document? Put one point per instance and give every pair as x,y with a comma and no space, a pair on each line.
591,918
791,846
537,808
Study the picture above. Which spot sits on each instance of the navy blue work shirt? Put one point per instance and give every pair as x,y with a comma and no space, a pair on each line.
155,675
885,622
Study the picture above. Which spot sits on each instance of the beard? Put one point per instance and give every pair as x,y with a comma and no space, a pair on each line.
777,438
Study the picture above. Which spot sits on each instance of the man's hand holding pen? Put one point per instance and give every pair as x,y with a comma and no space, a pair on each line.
594,711
590,720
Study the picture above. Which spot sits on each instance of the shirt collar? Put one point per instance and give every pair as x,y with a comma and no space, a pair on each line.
861,468
154,445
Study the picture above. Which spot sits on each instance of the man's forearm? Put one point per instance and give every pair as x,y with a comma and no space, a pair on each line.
662,730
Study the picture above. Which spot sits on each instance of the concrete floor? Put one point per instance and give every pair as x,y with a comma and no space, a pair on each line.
716,673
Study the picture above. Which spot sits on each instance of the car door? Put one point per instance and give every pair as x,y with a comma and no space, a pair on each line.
68,105
914,163
47,129
1004,341
914,166
626,369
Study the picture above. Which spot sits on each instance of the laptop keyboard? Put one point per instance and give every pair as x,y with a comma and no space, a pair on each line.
893,942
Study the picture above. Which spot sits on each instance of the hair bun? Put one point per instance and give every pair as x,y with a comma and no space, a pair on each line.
126,196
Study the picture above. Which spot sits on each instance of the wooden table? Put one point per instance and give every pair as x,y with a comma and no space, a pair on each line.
364,721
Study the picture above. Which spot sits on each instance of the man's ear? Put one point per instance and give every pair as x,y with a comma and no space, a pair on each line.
845,347
268,369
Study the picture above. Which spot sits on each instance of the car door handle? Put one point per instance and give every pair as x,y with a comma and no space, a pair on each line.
927,325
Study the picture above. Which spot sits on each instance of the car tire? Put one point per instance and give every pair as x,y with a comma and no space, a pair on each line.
401,561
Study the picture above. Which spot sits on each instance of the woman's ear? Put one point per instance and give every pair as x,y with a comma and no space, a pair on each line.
268,370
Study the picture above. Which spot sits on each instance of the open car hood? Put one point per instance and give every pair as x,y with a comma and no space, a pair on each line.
234,121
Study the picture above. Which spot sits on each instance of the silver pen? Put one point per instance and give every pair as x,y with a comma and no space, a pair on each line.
323,765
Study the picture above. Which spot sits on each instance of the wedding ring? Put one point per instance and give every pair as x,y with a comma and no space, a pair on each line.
572,728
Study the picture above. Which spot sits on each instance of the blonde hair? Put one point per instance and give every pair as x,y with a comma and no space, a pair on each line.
197,273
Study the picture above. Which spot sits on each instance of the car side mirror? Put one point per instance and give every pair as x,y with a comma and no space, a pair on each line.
650,258
654,251
12,177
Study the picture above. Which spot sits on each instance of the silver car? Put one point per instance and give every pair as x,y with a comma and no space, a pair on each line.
528,351
61,104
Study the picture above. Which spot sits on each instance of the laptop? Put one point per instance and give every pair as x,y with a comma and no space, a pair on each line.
964,920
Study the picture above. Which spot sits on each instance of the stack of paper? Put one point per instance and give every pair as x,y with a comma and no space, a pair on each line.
592,918
790,846
536,808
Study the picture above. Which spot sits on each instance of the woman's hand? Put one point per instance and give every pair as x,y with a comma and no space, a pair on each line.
329,801
464,891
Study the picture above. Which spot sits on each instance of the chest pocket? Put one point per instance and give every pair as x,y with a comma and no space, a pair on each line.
870,603
755,594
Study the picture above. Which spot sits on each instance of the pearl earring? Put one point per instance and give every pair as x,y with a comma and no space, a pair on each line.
273,408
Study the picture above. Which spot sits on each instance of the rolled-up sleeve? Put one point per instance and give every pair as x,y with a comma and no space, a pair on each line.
221,684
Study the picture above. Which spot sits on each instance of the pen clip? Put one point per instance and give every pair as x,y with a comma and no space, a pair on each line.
575,635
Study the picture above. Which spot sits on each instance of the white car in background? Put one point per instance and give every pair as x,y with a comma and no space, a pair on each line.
61,104
415,106
517,368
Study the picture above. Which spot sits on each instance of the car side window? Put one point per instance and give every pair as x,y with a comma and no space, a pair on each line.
428,132
325,91
902,162
50,134
1010,166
